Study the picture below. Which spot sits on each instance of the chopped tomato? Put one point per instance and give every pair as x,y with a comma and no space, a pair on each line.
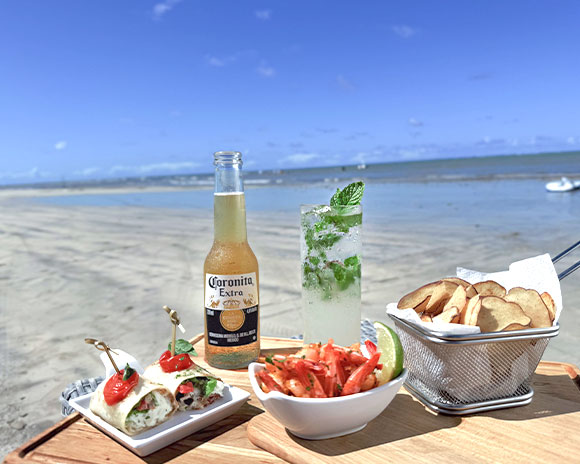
143,405
116,389
185,388
175,363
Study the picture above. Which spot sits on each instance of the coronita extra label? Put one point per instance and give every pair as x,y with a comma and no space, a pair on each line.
231,309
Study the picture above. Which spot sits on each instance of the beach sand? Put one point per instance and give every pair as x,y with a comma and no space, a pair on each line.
67,273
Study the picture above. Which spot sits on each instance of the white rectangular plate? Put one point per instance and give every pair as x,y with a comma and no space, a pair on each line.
180,425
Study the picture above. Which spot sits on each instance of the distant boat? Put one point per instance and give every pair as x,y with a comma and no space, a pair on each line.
362,166
563,185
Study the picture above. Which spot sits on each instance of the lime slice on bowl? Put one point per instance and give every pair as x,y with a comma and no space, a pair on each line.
391,353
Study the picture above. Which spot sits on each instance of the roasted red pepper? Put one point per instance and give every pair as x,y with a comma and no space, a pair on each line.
116,389
178,362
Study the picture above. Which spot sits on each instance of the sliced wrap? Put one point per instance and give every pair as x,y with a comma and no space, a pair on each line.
172,380
119,415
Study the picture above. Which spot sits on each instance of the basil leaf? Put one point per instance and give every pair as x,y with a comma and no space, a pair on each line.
350,195
210,386
129,371
183,347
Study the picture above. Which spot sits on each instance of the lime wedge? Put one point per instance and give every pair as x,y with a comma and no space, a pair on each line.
391,353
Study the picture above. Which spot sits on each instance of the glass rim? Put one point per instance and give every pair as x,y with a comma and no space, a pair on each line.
337,207
227,157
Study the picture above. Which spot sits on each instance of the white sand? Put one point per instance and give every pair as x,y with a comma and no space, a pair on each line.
71,272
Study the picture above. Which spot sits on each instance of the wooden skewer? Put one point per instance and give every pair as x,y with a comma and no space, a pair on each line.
175,322
102,346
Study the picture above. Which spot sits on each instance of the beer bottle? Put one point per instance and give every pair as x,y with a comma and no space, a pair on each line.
232,324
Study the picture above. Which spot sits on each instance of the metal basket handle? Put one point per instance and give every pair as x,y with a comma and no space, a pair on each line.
572,268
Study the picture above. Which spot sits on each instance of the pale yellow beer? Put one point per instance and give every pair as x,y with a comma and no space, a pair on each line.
231,280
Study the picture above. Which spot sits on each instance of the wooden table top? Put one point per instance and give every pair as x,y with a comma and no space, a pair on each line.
545,430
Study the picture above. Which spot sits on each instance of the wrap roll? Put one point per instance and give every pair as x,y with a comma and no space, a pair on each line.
197,399
119,415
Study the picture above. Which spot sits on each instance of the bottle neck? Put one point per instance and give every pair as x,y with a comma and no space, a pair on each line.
228,172
229,199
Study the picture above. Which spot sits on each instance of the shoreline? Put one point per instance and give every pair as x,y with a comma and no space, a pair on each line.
32,191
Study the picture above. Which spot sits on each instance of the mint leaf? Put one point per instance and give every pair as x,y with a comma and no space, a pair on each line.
183,347
210,386
129,371
349,196
353,261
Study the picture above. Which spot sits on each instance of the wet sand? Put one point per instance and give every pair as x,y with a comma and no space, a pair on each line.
71,272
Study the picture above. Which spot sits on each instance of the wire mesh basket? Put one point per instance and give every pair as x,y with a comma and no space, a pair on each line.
461,374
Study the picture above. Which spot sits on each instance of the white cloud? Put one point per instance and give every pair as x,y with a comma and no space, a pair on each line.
344,83
264,15
361,157
265,70
147,168
415,122
161,8
87,171
61,145
217,62
220,62
299,158
32,173
406,32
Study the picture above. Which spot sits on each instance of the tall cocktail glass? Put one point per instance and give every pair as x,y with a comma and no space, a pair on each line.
331,272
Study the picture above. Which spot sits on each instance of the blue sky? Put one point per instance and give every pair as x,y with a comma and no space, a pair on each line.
114,88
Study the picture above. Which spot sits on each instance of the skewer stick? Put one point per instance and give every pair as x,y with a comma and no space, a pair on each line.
175,322
102,346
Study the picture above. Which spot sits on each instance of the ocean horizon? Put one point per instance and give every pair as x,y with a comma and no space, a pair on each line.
494,193
480,168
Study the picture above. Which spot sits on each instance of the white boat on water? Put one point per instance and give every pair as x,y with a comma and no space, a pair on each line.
563,185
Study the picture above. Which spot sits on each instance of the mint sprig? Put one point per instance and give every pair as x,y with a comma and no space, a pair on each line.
183,347
349,196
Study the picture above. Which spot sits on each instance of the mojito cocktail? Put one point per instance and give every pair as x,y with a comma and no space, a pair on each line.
331,272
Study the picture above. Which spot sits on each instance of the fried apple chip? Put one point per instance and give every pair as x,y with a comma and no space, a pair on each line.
532,304
457,300
416,297
470,291
447,315
442,293
421,307
489,288
497,314
515,326
457,280
471,311
549,302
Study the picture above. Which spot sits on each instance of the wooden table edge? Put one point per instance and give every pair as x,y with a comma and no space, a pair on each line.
571,369
38,440
15,457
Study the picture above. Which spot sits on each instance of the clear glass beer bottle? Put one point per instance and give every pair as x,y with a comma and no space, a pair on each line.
232,298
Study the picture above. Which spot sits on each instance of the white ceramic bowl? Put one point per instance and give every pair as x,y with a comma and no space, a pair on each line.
320,418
